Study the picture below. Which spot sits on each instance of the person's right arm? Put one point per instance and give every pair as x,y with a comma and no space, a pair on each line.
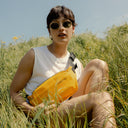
22,76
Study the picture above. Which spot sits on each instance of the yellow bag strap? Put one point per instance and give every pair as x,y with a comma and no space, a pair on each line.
71,60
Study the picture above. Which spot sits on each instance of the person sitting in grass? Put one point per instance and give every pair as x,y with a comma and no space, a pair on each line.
41,63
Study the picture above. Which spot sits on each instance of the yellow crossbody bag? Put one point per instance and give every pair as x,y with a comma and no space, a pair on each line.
58,88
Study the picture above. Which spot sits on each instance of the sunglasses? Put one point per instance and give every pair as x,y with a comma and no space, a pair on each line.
65,24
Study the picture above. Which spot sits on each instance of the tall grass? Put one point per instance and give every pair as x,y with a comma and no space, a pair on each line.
113,49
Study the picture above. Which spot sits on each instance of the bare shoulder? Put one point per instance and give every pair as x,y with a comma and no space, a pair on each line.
30,53
27,62
28,57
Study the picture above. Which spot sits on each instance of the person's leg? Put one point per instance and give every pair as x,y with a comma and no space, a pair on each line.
100,104
103,114
93,78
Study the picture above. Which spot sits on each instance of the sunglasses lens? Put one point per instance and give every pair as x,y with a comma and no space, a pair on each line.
54,25
67,24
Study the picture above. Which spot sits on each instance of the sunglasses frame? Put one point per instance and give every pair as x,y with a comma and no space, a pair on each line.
66,24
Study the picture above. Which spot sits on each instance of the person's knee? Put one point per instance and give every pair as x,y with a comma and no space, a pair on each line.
98,63
103,97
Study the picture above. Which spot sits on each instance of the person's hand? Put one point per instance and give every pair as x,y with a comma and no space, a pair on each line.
47,108
39,106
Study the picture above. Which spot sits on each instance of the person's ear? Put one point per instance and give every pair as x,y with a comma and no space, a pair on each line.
50,34
73,29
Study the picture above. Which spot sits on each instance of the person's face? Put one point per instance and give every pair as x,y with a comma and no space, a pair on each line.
61,30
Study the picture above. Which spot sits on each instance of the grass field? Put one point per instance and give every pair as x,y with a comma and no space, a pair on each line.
113,49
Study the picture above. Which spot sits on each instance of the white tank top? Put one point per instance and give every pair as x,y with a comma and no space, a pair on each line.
47,65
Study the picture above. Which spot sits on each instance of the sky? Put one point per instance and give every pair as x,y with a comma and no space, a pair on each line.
27,18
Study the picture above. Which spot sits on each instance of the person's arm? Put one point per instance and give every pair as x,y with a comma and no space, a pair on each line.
22,76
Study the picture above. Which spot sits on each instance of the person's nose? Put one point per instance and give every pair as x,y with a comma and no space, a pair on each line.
61,27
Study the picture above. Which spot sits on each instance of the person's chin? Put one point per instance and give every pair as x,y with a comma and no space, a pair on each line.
63,40
62,43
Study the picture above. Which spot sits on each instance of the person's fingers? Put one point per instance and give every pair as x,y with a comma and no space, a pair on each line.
50,108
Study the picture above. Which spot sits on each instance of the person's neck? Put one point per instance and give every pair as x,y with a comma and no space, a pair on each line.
58,50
